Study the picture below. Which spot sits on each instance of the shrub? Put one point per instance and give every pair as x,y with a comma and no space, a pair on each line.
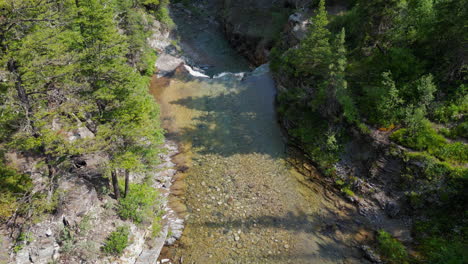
117,241
427,139
12,186
457,152
454,110
347,191
391,248
162,15
67,240
139,205
156,226
23,239
458,131
441,251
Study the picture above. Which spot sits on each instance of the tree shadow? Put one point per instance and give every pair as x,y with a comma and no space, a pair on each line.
332,235
239,118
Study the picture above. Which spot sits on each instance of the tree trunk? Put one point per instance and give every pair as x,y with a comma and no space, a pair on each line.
23,96
115,184
127,182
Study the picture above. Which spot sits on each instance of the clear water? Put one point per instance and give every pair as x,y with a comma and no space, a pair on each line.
244,203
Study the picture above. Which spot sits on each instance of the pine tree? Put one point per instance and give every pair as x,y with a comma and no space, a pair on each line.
313,56
388,107
338,86
126,115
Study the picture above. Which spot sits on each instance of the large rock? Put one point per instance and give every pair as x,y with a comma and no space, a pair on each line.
167,63
370,254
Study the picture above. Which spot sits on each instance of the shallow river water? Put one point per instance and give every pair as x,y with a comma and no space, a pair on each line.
244,203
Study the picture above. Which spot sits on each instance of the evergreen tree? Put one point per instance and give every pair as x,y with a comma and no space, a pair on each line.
127,119
388,107
338,94
313,56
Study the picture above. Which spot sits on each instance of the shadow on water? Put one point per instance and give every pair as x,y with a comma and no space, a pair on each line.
329,229
239,118
202,39
324,223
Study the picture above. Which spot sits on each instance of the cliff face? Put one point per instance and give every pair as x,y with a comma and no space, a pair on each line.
252,26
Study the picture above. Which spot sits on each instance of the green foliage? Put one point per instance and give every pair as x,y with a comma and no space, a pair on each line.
347,191
442,251
117,241
424,139
427,139
386,101
85,225
338,83
458,131
391,248
156,226
66,240
452,110
140,203
13,186
313,56
23,239
162,14
443,235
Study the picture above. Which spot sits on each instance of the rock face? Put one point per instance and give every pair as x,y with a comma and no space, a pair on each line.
251,26
370,254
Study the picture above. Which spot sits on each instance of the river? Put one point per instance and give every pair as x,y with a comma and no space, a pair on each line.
244,203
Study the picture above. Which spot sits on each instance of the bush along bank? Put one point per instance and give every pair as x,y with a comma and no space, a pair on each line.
376,98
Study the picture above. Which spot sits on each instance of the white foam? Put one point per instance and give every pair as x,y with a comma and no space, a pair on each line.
195,73
224,75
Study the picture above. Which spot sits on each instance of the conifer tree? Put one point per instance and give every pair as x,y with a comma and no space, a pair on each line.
127,117
313,56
